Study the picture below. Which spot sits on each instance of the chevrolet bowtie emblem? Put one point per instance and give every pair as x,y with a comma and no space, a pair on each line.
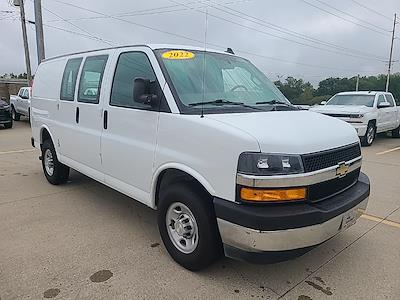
342,169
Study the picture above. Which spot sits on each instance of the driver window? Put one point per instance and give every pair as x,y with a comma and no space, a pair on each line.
389,98
381,99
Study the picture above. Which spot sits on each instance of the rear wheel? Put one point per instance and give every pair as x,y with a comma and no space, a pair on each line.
8,125
15,116
188,227
369,136
396,132
55,172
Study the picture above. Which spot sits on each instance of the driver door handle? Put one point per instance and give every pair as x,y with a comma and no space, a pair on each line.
77,115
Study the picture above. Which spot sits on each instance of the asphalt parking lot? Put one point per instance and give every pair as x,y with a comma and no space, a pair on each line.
83,240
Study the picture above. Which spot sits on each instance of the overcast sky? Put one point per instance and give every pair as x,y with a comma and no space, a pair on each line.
314,44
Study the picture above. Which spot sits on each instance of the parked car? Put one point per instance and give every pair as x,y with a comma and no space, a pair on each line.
5,114
20,104
208,141
369,112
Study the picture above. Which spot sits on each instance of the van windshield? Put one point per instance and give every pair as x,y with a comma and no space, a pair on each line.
367,100
228,81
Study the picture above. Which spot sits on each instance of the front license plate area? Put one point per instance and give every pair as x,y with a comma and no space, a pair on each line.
349,219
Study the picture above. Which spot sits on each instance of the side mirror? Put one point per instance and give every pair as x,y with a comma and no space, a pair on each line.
383,105
141,92
323,102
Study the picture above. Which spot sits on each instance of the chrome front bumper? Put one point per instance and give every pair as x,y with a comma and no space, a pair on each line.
251,240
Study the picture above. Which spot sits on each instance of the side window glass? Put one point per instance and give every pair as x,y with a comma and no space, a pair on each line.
69,79
131,65
381,99
21,92
25,94
390,99
91,77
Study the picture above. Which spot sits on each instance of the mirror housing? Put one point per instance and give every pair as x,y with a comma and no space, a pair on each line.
141,92
323,102
383,105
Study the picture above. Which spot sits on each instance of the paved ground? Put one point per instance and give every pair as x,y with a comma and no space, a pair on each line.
55,240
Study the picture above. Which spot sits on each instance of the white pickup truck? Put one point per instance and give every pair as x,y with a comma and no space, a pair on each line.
369,112
21,103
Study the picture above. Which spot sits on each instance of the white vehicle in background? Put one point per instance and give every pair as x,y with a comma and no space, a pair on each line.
369,112
21,103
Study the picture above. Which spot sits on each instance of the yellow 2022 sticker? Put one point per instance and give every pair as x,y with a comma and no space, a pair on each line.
178,54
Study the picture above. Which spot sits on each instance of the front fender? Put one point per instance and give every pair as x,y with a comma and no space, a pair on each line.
184,168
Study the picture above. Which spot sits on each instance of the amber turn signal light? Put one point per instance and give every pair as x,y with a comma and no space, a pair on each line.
273,195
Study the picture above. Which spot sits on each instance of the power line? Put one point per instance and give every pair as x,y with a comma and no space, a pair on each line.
274,35
78,27
352,16
151,11
306,37
345,19
201,42
371,10
66,30
359,54
349,51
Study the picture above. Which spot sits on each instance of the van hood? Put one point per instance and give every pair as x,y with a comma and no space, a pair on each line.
346,109
291,132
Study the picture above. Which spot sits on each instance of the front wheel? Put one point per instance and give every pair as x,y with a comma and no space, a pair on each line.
15,116
8,125
396,132
188,227
55,172
369,136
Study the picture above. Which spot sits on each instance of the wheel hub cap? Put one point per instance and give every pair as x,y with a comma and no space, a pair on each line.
49,162
182,227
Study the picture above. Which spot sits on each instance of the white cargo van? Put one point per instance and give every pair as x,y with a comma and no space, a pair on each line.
206,139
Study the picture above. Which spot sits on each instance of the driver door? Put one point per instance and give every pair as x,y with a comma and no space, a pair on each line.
130,128
383,119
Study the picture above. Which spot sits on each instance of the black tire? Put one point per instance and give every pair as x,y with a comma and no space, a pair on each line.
60,172
16,116
369,136
209,245
8,125
396,132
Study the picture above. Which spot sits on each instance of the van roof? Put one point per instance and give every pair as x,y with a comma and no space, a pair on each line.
151,46
372,93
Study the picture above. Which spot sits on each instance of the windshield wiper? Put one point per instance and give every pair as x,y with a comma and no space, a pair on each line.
220,102
276,102
273,102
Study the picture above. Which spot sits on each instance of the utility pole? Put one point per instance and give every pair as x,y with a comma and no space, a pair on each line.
25,39
391,53
357,82
39,30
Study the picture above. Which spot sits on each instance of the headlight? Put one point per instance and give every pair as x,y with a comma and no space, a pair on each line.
269,164
357,116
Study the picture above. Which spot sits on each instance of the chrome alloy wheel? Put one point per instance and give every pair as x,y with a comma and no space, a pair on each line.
49,162
182,227
370,134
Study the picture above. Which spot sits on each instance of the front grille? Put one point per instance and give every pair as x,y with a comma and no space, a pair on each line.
323,190
338,115
325,159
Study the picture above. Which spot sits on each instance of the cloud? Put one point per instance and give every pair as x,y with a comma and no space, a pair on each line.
273,53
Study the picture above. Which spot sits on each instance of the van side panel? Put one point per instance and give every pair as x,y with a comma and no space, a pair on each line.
45,94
